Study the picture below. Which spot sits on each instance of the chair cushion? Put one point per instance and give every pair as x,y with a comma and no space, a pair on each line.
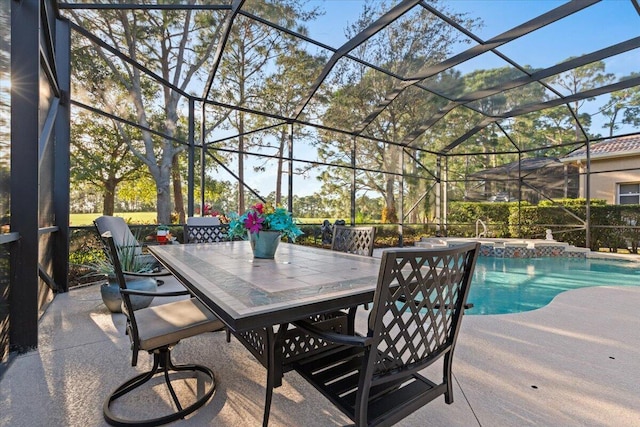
167,324
204,220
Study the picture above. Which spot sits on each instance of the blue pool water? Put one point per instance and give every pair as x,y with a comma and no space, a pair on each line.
513,285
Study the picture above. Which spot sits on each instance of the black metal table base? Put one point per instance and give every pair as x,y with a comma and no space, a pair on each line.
277,349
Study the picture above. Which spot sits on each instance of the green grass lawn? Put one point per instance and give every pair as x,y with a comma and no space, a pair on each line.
78,220
81,219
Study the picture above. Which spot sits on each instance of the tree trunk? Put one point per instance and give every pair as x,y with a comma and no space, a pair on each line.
163,191
108,199
164,202
390,201
241,164
391,161
279,172
178,199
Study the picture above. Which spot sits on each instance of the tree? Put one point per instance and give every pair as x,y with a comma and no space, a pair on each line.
406,48
623,108
250,50
281,93
138,195
220,195
100,158
176,45
579,80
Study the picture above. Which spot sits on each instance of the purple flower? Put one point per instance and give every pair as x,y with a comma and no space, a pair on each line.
253,223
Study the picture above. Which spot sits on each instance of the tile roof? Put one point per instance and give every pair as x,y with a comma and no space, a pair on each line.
625,145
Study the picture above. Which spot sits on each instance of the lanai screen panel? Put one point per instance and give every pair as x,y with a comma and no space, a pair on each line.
480,84
503,82
479,53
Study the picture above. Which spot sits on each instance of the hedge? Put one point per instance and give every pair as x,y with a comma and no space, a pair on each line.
612,226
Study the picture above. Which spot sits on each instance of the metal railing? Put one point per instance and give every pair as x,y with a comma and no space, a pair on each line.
484,228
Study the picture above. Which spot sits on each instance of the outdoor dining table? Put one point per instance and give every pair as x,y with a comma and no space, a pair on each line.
257,299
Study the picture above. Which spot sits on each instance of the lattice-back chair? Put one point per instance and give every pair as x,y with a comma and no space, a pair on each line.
157,329
354,240
205,230
418,305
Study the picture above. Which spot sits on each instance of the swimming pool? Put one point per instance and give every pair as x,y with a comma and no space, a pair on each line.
513,285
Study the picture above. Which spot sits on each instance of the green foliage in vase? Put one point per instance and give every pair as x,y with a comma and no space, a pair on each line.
131,259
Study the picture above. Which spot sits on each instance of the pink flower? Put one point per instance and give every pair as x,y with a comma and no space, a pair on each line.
253,223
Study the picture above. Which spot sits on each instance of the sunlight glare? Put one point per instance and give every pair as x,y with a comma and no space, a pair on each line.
5,83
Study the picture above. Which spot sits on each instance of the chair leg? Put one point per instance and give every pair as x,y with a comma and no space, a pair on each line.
135,382
161,363
165,362
447,366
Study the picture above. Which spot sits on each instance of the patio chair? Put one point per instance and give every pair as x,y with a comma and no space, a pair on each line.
124,238
204,230
417,308
157,329
354,240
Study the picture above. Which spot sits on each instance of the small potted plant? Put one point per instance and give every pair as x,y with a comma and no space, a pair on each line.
131,263
264,226
162,234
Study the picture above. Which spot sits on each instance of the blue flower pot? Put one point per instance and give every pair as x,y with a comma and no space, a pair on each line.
264,243
111,297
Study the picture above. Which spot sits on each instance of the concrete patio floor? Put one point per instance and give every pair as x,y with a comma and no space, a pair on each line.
575,362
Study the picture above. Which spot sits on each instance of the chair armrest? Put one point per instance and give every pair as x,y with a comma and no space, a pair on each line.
350,340
154,294
135,274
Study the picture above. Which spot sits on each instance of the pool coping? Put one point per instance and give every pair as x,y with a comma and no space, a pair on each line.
524,248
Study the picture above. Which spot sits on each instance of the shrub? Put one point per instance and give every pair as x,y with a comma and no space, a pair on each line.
462,217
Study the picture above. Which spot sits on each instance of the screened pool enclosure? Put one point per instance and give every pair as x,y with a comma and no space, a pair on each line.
375,112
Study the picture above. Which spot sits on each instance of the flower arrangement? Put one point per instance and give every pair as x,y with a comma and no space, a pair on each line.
265,217
210,211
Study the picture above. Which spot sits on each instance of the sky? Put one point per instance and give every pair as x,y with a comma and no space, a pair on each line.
548,46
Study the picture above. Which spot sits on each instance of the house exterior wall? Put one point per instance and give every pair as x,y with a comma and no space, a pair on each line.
605,185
